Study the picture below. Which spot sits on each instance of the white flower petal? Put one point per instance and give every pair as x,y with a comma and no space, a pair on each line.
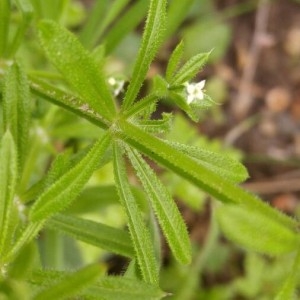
201,84
190,99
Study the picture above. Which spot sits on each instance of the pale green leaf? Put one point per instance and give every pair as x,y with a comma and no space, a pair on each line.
16,109
194,172
165,209
254,230
139,233
71,285
97,234
151,41
221,164
190,69
77,66
174,61
8,181
117,288
288,290
65,189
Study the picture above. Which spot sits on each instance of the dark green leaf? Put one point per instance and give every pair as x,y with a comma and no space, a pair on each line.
4,25
97,234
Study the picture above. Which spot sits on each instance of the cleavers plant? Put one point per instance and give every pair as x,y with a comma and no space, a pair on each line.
128,136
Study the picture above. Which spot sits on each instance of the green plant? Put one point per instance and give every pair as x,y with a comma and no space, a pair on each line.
126,133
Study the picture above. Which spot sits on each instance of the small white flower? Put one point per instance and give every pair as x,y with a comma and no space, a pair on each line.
195,91
116,84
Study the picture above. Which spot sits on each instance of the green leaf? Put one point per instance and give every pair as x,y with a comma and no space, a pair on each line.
94,198
94,24
157,126
152,39
165,209
197,174
67,101
125,24
16,109
65,189
221,164
190,69
288,290
115,288
174,61
8,181
103,14
142,107
71,285
177,11
97,234
27,12
59,166
254,230
139,233
78,68
4,25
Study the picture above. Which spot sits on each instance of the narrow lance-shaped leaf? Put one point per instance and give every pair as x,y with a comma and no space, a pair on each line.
256,231
288,290
174,61
93,233
139,233
157,126
66,188
8,179
16,109
77,66
165,209
27,11
125,24
71,285
115,288
193,171
221,164
151,41
190,69
67,101
4,25
101,16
